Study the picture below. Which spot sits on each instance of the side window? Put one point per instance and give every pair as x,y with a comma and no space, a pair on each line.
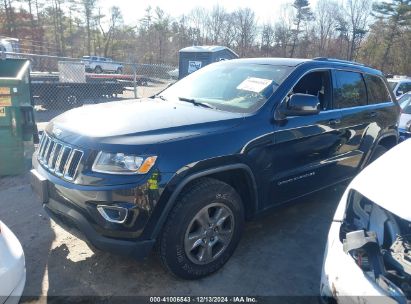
349,90
377,92
404,87
405,104
316,83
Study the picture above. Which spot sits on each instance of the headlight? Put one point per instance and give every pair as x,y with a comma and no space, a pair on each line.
120,163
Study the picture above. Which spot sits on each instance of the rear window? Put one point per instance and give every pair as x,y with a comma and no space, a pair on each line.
376,89
350,90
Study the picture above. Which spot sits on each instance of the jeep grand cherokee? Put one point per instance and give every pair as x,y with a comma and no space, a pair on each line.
186,168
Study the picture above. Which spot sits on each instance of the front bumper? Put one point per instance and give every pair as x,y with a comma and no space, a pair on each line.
74,207
75,223
342,279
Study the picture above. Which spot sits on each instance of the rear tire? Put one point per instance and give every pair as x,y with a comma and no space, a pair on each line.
98,70
202,230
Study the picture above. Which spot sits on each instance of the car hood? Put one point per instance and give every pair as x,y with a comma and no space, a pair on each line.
152,119
386,181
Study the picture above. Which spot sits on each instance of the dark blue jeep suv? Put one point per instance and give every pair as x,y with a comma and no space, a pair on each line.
186,168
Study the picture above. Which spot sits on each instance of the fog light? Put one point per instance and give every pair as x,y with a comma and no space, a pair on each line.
113,214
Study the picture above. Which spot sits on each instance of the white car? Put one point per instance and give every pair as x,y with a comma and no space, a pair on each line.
12,267
400,85
404,123
173,74
368,251
101,64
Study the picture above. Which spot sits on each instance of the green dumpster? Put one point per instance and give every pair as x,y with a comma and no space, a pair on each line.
17,126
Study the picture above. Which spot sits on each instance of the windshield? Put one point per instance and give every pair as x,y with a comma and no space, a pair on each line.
392,84
230,86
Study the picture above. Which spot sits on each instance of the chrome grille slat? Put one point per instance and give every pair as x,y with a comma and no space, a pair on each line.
59,158
43,147
58,161
50,160
46,151
47,155
67,164
73,163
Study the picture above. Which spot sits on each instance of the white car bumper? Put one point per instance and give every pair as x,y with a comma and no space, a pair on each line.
342,279
12,267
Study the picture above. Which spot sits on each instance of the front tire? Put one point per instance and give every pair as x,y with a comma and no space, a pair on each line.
202,230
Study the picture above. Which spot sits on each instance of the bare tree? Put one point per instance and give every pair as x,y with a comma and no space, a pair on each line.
199,22
358,13
303,14
88,9
109,34
216,22
267,38
245,30
326,12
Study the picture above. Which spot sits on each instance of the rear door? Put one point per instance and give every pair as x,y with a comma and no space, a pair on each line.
350,98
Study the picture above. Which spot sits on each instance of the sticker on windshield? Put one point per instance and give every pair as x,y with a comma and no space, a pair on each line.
2,112
253,84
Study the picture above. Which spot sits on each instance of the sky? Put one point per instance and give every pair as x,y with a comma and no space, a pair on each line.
133,10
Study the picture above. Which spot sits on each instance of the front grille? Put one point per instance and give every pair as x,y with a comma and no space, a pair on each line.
59,158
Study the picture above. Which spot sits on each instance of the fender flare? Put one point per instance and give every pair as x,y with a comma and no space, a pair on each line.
172,200
376,143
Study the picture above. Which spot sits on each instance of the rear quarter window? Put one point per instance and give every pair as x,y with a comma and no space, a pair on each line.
376,90
349,90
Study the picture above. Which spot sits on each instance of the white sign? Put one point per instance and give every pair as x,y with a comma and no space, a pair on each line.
253,84
194,66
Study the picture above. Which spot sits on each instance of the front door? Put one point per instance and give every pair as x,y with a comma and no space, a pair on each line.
306,152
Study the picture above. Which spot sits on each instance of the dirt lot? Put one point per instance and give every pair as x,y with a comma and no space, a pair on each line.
280,254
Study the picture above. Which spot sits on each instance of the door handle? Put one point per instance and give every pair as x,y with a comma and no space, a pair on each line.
333,122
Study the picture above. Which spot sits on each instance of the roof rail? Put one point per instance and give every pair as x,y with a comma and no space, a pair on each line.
338,60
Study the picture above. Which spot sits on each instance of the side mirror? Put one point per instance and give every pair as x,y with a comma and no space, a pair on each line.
300,105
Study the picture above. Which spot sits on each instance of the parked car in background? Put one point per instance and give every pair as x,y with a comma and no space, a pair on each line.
400,85
101,64
404,124
368,249
10,46
173,73
186,168
12,267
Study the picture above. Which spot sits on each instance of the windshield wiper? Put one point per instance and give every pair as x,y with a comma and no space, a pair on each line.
161,97
196,103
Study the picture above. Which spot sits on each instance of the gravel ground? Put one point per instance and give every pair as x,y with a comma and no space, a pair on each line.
280,254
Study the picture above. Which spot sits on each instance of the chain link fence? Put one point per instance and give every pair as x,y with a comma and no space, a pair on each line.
61,83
